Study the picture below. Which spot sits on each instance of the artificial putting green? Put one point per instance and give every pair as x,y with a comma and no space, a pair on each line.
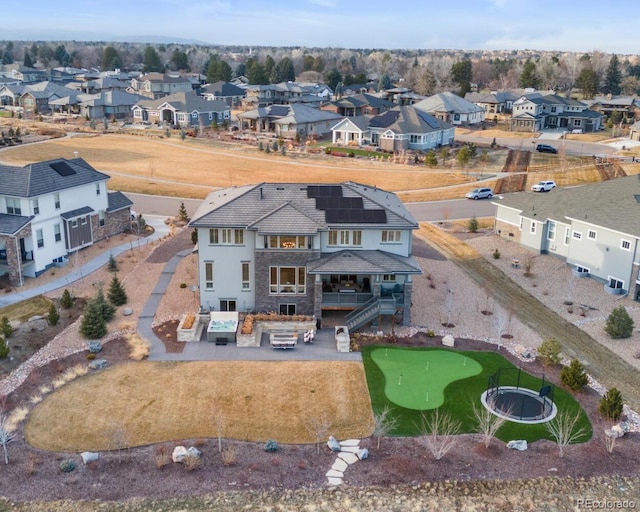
417,379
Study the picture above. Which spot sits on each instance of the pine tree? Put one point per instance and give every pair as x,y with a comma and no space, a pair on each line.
93,325
473,224
105,308
182,213
53,316
4,347
612,77
619,323
66,301
5,327
112,266
611,404
549,352
574,376
117,296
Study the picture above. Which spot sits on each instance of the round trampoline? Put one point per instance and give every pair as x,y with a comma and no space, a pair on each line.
520,405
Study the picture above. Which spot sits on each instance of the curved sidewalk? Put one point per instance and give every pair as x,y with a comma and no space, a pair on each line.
160,230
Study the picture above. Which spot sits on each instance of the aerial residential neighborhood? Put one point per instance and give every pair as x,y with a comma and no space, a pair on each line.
319,263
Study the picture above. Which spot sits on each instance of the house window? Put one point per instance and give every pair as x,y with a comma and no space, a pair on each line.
57,232
551,231
625,244
567,232
287,309
238,236
97,189
101,217
287,280
220,237
390,236
13,206
35,206
83,221
208,275
388,277
616,283
577,235
228,305
521,222
287,242
591,234
415,139
39,238
345,237
246,283
56,200
532,228
74,223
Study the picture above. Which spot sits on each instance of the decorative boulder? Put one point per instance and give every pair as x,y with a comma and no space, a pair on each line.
179,453
95,347
98,364
333,444
448,340
194,452
37,324
88,457
127,312
517,445
618,430
363,453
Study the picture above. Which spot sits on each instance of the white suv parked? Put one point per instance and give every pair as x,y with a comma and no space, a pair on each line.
544,186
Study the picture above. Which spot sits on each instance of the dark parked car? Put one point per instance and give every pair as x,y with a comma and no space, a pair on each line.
546,148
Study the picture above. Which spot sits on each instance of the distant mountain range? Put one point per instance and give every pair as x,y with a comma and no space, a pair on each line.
82,35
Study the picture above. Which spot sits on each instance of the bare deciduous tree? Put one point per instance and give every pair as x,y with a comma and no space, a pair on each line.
500,322
383,424
6,433
441,430
318,426
219,421
487,423
564,429
119,439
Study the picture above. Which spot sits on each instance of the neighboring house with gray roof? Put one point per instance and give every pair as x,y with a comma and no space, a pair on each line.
298,248
536,111
229,93
116,104
352,131
51,209
404,128
182,109
157,85
359,105
451,108
498,102
594,228
627,106
289,120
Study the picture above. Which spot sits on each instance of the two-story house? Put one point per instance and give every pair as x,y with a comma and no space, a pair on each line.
594,228
296,248
535,111
157,85
49,210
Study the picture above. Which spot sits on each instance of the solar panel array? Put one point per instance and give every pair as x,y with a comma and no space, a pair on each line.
62,168
339,209
279,110
429,119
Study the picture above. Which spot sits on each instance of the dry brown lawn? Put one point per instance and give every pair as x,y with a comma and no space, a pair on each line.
143,403
449,244
190,168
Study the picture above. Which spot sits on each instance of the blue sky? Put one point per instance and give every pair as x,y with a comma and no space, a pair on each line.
564,25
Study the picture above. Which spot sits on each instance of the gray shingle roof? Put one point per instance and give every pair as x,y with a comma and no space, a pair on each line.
408,120
118,201
41,178
364,262
185,102
11,224
282,206
610,204
447,102
78,212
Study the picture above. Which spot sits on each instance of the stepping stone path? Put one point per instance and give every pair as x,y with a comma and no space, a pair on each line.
347,455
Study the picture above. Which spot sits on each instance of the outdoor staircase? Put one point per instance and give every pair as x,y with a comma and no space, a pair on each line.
369,310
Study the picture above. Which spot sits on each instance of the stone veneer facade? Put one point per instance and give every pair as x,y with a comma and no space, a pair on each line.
114,224
265,301
13,253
